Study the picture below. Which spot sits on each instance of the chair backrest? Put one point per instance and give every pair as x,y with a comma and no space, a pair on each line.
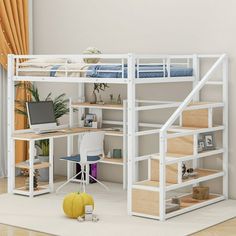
91,145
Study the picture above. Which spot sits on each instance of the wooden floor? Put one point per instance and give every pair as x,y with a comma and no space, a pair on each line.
227,228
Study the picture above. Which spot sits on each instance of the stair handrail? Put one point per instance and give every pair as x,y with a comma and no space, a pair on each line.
191,95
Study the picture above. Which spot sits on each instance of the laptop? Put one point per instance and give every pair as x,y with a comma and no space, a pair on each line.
41,117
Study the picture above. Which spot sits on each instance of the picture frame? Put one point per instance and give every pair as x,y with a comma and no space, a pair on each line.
201,145
209,141
206,141
90,121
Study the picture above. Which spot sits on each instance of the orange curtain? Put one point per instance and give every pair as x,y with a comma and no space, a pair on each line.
14,39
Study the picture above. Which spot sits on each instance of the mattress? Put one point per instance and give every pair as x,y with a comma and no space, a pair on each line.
145,71
49,69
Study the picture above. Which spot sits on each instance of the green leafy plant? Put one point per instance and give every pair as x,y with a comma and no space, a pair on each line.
60,105
97,87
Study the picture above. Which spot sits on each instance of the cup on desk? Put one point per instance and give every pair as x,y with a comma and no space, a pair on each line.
117,153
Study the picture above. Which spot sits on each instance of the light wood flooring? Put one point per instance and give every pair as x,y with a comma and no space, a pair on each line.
227,228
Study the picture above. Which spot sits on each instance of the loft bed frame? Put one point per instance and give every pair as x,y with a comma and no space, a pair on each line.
131,69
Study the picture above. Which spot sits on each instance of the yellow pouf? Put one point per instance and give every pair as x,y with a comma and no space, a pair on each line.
74,204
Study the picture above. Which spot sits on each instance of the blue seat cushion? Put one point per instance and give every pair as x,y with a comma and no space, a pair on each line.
76,158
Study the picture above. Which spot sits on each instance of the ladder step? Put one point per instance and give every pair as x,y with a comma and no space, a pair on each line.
204,105
214,83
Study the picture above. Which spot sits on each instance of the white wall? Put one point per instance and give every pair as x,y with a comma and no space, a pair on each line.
141,26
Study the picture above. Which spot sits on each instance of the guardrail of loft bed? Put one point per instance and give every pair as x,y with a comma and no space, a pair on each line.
165,64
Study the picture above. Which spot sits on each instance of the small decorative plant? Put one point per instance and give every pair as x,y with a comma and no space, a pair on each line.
97,87
60,108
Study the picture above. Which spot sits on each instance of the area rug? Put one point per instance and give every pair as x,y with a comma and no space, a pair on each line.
44,213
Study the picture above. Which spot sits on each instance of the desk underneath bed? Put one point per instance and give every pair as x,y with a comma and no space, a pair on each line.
32,137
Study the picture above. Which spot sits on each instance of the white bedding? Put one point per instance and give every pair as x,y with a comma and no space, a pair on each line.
52,68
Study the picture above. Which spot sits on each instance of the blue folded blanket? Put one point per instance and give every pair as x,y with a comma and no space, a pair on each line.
146,71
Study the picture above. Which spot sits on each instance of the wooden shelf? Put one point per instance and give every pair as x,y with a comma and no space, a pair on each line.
36,166
115,161
205,105
169,156
42,187
40,190
100,106
201,174
188,201
150,183
176,157
113,133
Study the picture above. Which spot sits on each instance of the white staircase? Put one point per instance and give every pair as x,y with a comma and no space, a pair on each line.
178,145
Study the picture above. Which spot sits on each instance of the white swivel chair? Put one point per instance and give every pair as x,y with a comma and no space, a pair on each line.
91,150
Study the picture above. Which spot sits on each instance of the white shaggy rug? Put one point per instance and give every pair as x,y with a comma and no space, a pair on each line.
44,213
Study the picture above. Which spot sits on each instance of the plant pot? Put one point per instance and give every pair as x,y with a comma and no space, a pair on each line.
44,173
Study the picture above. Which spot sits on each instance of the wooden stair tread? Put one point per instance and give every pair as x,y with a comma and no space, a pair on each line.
187,201
201,173
169,154
201,103
151,183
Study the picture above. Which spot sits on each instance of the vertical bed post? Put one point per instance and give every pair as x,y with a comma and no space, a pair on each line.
225,123
81,98
10,123
196,98
131,128
196,74
162,175
124,144
51,185
31,168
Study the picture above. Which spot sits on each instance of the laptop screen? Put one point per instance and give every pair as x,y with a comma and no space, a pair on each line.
41,112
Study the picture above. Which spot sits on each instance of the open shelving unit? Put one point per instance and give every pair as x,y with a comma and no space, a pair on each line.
97,109
178,144
177,135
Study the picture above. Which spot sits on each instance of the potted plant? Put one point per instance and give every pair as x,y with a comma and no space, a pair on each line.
60,105
97,87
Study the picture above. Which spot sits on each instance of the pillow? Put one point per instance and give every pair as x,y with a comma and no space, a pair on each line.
42,62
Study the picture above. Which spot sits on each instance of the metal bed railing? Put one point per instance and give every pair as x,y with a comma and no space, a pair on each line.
66,68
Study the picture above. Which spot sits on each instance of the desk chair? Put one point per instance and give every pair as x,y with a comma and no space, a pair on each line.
91,149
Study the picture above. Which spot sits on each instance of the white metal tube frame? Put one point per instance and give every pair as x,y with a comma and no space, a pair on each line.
163,131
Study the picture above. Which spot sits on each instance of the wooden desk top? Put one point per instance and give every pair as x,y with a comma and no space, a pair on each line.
60,133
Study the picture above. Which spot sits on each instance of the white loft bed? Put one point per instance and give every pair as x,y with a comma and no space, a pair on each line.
130,69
